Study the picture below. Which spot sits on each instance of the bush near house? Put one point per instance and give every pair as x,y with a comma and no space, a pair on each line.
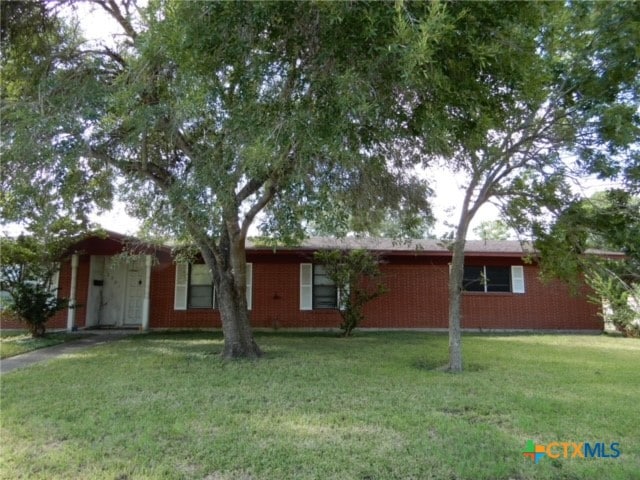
620,301
356,274
29,277
34,304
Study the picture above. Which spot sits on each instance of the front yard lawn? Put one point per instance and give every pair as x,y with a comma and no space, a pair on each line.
164,406
15,343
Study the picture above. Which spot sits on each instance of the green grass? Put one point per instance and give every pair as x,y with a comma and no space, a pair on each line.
318,407
15,343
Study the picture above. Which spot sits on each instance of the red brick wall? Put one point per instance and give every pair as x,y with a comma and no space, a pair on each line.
8,321
542,306
276,299
416,298
162,314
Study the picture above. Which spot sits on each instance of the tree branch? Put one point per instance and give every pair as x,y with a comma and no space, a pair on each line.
112,8
107,52
251,187
270,189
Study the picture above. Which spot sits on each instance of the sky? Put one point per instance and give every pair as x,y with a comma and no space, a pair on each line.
446,206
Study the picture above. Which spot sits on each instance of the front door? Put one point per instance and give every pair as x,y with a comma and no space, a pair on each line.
113,293
116,291
95,294
134,293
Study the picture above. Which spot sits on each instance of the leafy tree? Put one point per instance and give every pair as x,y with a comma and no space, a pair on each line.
414,221
618,298
30,262
604,77
605,88
607,222
34,304
356,274
41,177
553,85
495,106
210,114
492,230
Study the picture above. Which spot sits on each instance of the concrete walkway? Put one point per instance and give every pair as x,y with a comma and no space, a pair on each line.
98,337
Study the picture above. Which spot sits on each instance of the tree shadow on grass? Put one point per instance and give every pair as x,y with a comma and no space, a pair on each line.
195,345
440,365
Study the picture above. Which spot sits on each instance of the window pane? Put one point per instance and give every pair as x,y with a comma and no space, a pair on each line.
201,275
472,280
200,286
320,276
325,293
324,297
498,279
201,296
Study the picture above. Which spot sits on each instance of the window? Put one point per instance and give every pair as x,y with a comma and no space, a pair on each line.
493,279
194,287
473,280
317,290
200,287
325,292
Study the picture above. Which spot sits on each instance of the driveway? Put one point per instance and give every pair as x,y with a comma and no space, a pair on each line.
45,354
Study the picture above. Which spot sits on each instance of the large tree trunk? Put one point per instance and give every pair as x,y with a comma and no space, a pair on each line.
230,277
456,274
236,326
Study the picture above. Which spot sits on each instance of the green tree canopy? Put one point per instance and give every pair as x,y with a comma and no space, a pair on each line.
607,222
492,230
207,114
539,83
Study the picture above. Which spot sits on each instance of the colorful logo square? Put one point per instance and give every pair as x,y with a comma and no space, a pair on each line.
533,451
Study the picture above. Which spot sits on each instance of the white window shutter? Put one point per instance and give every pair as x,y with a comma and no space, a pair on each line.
181,286
306,286
517,279
249,284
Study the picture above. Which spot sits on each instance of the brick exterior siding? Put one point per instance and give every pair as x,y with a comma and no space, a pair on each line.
416,298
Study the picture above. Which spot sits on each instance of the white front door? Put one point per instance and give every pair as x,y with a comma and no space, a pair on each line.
136,277
95,295
113,292
116,291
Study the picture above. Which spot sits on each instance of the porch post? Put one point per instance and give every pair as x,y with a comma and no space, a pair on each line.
147,284
71,312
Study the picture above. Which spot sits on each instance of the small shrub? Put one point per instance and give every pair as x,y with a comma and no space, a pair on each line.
357,275
33,304
620,302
